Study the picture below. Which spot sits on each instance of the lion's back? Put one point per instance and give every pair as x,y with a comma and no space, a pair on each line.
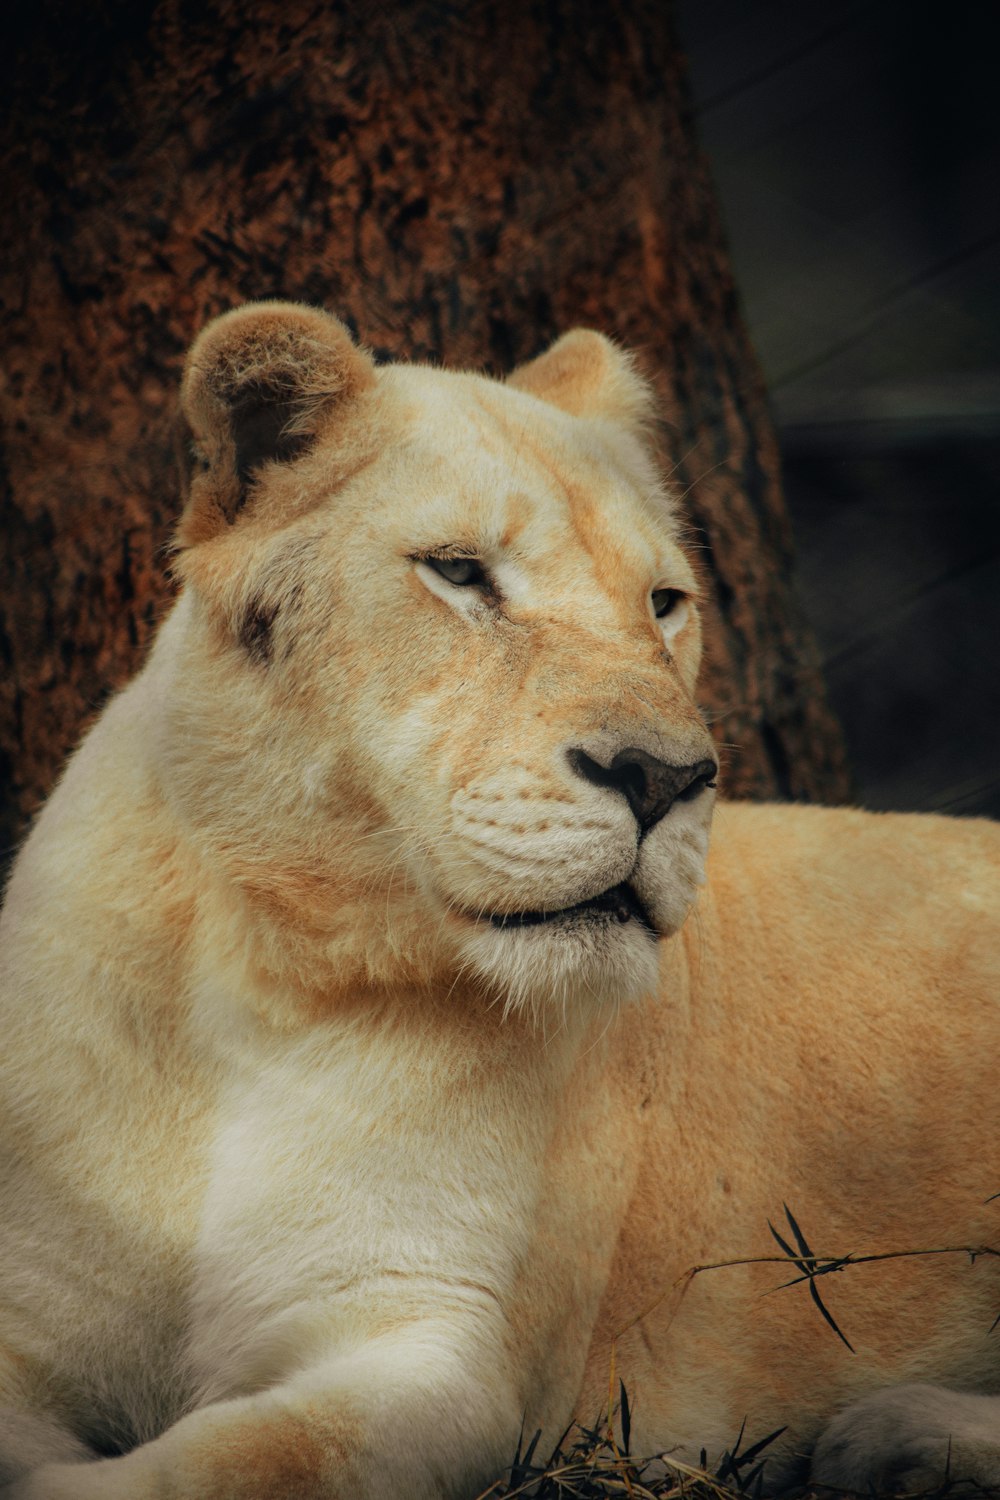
822,881
845,960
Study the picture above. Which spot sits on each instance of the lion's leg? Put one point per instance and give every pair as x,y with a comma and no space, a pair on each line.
403,1414
908,1438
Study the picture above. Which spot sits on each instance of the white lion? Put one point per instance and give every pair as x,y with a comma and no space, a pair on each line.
362,1079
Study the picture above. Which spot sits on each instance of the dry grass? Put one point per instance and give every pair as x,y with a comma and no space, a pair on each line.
592,1463
596,1463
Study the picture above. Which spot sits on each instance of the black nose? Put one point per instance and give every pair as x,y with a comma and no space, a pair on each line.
649,786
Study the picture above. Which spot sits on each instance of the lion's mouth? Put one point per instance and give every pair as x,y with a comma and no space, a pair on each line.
620,904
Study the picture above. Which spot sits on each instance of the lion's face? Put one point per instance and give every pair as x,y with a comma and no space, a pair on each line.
437,662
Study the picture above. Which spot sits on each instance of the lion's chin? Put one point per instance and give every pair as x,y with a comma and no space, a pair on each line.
596,955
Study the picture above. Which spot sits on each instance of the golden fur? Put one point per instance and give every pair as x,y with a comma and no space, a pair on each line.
326,1161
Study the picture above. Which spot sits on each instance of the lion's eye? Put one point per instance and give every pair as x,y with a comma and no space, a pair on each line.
461,571
665,601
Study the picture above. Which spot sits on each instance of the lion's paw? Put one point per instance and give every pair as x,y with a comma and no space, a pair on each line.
910,1438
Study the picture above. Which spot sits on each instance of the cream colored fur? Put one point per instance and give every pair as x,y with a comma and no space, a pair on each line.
318,1182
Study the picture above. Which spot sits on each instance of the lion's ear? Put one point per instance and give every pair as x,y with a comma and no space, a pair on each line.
587,375
261,385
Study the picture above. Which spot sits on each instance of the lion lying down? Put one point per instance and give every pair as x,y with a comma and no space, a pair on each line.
376,1053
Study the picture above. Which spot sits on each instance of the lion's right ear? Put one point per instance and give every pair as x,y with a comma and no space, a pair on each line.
589,376
261,385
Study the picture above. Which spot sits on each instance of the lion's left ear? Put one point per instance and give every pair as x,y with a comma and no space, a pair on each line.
587,375
261,385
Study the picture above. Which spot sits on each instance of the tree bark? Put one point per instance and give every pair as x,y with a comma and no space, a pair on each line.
461,183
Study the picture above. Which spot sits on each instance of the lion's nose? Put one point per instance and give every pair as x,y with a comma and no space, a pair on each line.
650,786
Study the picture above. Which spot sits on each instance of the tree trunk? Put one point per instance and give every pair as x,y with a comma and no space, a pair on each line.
461,183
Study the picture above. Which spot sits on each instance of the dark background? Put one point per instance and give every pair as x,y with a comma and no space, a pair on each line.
462,180
855,150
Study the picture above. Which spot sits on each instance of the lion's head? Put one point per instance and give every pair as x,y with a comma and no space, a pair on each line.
430,681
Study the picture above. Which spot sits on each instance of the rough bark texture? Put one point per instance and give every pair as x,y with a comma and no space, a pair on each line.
461,182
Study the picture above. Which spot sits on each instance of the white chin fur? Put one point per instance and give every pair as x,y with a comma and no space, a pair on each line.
583,966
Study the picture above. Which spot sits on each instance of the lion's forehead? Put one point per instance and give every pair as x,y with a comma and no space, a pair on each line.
493,471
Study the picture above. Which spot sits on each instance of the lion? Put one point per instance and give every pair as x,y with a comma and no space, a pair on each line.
384,1041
